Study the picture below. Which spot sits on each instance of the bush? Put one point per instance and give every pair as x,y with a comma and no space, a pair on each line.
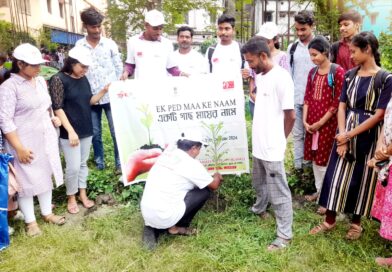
385,42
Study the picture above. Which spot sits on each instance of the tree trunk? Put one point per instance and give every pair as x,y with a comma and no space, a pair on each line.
229,7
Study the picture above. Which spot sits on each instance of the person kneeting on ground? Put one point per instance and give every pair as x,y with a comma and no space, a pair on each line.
177,187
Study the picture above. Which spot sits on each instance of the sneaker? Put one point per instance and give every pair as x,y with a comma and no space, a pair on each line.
118,171
150,240
10,230
100,167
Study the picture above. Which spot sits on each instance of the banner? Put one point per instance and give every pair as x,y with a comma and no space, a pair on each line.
150,116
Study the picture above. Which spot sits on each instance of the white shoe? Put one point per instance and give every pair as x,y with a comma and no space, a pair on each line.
10,230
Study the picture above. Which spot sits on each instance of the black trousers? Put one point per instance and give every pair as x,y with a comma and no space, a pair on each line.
194,201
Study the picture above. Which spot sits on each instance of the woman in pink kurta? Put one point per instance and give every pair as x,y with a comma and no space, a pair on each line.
320,107
382,205
25,120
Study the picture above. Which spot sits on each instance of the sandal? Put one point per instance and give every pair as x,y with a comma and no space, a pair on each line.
311,198
73,208
54,219
354,232
323,227
265,215
278,244
32,229
182,231
87,203
385,262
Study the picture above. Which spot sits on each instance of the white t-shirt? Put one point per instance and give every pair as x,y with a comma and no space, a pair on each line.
275,93
173,175
192,63
226,59
151,58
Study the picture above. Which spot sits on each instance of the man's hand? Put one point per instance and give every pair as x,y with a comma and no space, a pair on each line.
25,155
124,75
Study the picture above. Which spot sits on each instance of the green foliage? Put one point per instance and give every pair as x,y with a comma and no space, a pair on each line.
128,15
11,38
385,42
207,43
147,119
45,39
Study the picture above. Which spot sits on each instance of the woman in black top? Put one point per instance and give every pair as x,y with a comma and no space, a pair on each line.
71,100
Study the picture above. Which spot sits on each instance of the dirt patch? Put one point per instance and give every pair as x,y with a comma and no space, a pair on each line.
95,212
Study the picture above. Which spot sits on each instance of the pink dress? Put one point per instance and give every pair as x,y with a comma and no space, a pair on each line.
382,205
24,109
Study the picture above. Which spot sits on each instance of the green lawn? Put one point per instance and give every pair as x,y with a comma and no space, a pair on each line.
230,239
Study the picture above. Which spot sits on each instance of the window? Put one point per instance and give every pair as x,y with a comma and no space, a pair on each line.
72,19
25,6
268,16
49,4
61,8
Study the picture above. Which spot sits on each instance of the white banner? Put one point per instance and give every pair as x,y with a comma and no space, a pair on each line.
150,116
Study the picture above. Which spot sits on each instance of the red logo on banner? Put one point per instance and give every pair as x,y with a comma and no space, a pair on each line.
139,54
215,60
228,84
122,94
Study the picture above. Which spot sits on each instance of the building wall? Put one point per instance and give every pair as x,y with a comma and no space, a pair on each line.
47,13
378,18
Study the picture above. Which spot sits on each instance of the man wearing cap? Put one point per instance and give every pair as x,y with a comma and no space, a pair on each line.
177,187
106,67
189,60
149,54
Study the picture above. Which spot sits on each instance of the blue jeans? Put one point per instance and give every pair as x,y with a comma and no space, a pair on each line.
251,108
96,114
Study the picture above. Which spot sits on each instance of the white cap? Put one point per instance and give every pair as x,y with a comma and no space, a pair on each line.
29,54
154,18
268,30
194,136
81,54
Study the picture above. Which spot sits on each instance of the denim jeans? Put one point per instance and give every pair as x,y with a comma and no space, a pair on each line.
96,114
298,137
251,108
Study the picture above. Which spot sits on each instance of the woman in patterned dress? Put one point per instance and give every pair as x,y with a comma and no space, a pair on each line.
25,110
349,183
382,205
320,107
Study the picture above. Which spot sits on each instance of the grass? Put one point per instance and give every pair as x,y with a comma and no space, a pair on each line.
230,239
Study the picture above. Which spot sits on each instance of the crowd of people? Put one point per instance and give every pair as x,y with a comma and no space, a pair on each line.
335,101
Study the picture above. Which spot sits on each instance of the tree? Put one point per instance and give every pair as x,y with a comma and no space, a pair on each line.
328,12
127,16
11,38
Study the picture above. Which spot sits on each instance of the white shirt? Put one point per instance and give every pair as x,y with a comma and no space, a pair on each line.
173,175
151,58
302,64
226,59
275,93
191,63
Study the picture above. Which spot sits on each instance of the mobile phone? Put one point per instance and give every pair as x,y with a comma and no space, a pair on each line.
381,164
349,157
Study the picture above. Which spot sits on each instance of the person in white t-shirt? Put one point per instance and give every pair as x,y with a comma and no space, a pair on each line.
177,187
188,60
273,121
225,57
149,54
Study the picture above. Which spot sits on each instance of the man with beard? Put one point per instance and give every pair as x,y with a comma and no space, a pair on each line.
106,67
225,57
189,60
150,54
301,64
272,123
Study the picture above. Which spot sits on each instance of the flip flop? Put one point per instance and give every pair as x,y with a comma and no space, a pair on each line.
54,219
73,208
32,229
278,244
87,203
183,231
311,198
